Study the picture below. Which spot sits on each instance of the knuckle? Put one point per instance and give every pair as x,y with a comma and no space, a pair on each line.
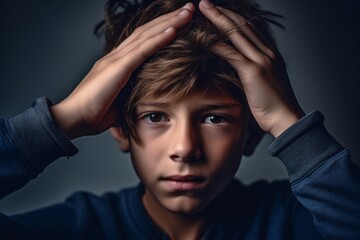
138,30
100,64
106,64
265,62
261,66
222,20
271,54
141,52
172,22
226,27
135,31
138,33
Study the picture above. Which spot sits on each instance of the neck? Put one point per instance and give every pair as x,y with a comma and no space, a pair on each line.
176,225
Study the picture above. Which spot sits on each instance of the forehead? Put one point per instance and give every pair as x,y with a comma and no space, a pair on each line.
210,97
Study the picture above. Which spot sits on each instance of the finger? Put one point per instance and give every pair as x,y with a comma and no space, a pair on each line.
236,59
226,25
115,72
133,59
176,22
188,6
247,29
176,18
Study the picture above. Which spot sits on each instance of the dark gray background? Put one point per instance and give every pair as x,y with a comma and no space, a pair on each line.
48,46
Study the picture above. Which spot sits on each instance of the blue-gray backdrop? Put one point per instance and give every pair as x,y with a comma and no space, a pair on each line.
48,46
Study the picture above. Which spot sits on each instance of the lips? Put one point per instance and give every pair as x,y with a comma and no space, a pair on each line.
184,178
183,182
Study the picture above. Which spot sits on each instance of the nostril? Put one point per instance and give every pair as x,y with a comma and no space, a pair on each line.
185,159
175,158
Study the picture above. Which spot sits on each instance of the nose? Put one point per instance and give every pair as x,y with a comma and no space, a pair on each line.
185,145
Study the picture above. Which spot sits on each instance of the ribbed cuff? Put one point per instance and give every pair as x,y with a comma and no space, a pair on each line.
37,136
304,146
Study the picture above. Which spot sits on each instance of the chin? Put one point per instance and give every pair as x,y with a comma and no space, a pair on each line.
184,205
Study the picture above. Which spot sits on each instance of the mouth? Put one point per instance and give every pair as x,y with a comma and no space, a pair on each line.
183,182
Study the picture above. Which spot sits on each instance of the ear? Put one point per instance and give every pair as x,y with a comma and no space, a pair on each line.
120,138
254,136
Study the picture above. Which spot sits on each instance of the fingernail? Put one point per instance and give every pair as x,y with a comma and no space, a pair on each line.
169,29
185,11
186,6
206,3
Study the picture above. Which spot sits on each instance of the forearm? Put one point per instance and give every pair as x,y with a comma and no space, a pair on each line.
322,176
29,142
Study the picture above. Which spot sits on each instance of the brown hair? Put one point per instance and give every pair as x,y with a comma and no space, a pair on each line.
185,65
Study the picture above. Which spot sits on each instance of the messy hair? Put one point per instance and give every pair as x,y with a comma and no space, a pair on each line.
188,63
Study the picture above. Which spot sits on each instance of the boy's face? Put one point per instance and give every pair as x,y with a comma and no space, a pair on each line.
189,150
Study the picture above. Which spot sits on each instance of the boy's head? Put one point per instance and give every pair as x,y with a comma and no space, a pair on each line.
185,118
188,63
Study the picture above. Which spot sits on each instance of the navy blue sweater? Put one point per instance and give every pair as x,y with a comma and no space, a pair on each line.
321,201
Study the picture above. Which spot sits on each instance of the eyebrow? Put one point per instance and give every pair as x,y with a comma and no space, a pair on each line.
154,104
203,106
221,106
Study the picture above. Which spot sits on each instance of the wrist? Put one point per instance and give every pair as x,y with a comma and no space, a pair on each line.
65,120
283,121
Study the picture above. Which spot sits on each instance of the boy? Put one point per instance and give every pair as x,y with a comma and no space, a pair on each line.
186,122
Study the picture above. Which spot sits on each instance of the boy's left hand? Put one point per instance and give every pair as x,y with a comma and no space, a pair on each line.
262,73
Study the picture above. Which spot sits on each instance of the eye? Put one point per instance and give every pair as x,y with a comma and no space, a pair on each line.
215,119
155,117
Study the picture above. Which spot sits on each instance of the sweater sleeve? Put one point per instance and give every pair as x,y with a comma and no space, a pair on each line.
29,142
322,176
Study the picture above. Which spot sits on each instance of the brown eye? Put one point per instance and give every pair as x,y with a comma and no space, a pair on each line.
155,117
215,119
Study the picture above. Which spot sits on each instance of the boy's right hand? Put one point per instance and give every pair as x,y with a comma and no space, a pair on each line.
91,108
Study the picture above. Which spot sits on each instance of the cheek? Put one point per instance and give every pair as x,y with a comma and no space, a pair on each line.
224,153
145,157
